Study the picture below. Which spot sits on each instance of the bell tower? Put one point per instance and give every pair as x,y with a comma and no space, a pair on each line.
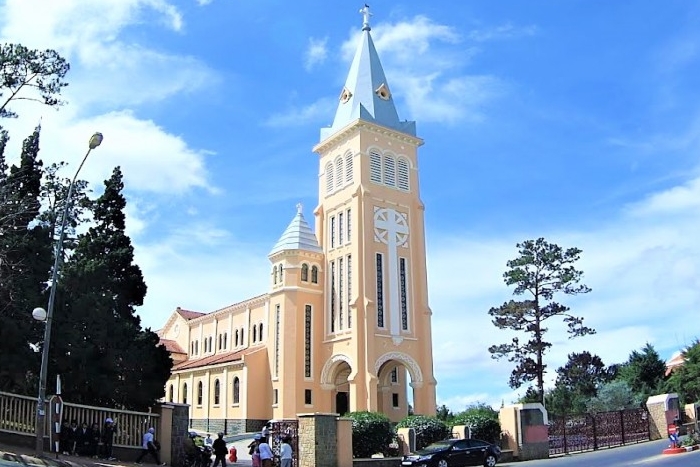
377,342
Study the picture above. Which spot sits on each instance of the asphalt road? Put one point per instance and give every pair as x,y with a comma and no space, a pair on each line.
643,455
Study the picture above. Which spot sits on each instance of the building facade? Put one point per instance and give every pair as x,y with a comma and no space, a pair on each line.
345,325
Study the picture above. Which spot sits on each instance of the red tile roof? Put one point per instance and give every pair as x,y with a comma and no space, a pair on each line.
213,360
172,346
188,315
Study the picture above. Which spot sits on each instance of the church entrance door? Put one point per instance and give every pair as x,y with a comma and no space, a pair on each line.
341,403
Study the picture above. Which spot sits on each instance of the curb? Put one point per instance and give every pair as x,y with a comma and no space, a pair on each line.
681,450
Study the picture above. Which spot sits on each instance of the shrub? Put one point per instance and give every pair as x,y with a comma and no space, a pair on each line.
482,426
371,433
428,429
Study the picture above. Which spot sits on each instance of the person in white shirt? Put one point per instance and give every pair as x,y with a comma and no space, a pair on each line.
286,453
208,441
265,453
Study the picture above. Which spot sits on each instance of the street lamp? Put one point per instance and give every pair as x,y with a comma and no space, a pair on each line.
47,316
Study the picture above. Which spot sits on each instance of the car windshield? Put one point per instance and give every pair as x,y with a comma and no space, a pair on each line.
439,446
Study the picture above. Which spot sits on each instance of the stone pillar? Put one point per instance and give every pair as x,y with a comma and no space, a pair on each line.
173,427
663,409
318,440
345,446
525,429
461,432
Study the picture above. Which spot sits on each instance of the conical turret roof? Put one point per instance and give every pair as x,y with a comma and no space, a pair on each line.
297,236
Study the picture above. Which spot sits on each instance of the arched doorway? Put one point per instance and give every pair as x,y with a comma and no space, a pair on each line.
394,394
342,388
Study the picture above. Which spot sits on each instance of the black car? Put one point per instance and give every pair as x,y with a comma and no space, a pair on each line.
454,453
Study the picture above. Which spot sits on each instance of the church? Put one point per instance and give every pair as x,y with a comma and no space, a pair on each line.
345,324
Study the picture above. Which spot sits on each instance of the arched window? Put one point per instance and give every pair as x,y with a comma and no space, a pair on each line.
184,393
281,269
217,392
221,341
225,340
260,333
389,170
348,168
314,275
403,172
236,390
304,272
274,275
339,172
171,392
375,167
242,339
211,344
329,178
236,337
196,347
255,333
200,393
191,348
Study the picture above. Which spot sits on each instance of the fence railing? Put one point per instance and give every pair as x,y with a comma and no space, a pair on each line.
18,415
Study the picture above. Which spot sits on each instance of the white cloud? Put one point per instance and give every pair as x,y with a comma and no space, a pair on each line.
299,116
316,53
505,31
203,2
426,62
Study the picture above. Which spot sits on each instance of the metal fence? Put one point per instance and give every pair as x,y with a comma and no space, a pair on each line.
281,430
585,432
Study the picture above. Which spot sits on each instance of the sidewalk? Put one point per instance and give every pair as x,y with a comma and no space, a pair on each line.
20,456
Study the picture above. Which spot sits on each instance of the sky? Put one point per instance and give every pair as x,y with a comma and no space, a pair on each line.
575,121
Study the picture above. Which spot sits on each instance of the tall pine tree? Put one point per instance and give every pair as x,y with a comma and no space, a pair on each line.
25,262
104,356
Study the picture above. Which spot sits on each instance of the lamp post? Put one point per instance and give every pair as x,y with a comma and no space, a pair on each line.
47,316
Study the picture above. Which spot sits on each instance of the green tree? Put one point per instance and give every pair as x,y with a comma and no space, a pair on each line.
443,413
34,75
104,356
25,262
372,433
541,271
615,395
685,379
644,372
583,374
428,429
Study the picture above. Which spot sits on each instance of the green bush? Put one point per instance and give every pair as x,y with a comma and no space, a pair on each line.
371,433
428,429
482,426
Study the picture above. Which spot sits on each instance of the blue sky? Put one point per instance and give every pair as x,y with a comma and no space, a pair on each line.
577,121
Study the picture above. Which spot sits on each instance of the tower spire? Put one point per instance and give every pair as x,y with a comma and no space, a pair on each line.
366,94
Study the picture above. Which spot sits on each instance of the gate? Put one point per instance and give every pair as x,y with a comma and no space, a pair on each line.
279,431
584,432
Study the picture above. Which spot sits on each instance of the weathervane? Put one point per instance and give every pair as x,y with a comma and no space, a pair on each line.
365,17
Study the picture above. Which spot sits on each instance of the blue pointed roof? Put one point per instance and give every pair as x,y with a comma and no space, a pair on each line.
297,236
366,94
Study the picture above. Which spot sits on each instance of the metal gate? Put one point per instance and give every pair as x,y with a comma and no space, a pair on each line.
584,432
281,430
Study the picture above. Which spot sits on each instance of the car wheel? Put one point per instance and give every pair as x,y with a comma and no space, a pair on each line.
442,463
490,460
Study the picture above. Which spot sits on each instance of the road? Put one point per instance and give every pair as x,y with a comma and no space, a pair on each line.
642,455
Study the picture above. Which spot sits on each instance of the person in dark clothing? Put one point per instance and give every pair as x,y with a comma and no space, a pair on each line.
73,438
64,438
94,440
108,432
220,451
84,436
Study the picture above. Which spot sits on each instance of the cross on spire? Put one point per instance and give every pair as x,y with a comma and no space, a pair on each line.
365,18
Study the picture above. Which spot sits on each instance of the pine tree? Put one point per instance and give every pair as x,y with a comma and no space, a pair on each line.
105,357
25,254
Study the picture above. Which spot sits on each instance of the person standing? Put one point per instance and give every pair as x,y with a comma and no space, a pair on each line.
286,453
265,453
108,432
208,441
220,451
254,451
148,446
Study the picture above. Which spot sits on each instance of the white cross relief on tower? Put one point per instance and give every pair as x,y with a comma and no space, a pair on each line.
391,228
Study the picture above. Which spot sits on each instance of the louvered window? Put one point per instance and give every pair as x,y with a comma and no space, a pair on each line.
403,174
307,341
389,171
380,291
329,178
375,167
348,169
339,172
